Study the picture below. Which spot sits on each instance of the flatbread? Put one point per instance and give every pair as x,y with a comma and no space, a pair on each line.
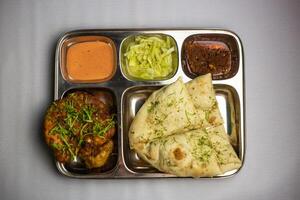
226,156
166,111
204,98
179,130
185,154
194,153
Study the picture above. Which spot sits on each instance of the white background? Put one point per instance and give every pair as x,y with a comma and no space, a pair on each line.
270,33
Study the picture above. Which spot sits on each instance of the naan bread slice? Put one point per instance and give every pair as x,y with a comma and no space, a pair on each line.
188,154
227,157
194,153
165,112
204,98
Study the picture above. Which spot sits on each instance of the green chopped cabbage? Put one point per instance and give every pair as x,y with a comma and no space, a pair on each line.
149,57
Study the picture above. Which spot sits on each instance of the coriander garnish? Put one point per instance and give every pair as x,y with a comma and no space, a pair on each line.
100,128
152,105
88,113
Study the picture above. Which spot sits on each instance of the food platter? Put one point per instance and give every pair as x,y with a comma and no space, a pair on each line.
128,95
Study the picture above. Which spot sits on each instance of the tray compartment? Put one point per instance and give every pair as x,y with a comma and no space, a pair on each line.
214,51
132,100
77,168
229,105
130,39
68,42
134,97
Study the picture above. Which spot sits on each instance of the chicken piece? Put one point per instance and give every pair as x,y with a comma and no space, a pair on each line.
79,120
95,155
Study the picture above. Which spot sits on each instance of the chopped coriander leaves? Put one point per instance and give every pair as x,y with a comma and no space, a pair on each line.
152,105
68,146
60,130
57,146
88,113
100,128
187,116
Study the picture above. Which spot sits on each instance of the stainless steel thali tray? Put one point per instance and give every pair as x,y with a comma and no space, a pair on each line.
128,95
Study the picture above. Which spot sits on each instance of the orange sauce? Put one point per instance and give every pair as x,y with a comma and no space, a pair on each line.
90,61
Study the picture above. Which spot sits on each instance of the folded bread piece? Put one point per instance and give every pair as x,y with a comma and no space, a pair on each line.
183,154
194,153
204,98
166,111
179,130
